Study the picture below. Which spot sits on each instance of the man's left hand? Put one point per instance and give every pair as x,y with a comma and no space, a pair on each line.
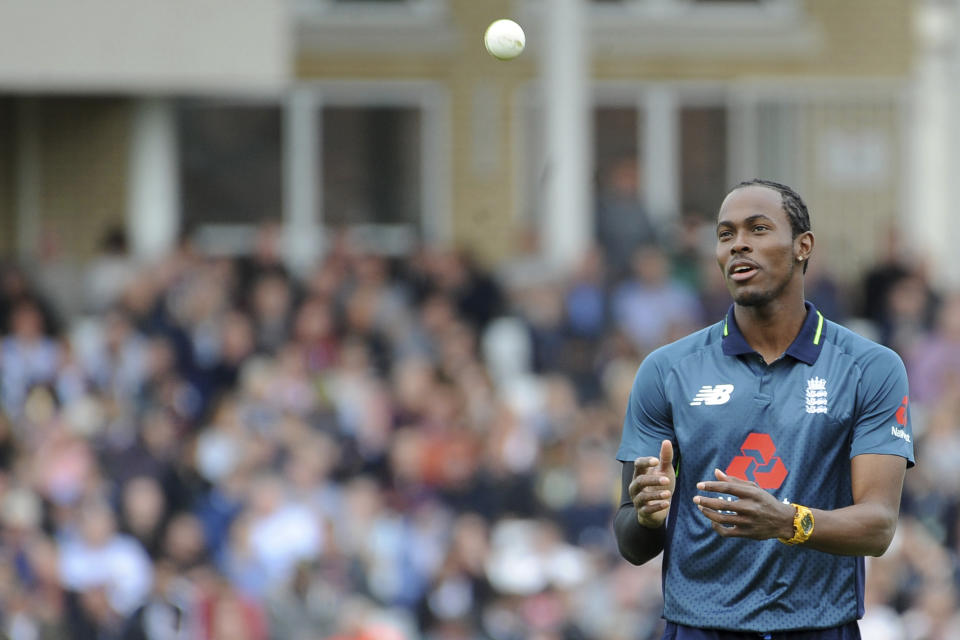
754,513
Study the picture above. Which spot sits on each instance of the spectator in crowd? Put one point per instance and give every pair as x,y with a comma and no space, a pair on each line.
884,274
623,223
823,290
651,308
934,361
907,315
110,570
108,272
28,356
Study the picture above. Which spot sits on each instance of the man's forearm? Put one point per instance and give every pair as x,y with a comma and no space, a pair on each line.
866,527
858,530
637,543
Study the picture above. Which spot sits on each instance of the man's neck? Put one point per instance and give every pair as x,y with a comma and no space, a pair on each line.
771,328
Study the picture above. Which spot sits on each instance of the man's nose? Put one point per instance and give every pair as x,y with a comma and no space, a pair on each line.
740,245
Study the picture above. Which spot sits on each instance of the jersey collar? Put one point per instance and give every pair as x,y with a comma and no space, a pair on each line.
805,347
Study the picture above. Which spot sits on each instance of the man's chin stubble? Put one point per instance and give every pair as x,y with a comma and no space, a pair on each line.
757,299
760,298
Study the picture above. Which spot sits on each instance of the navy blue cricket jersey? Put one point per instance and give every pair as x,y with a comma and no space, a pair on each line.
792,427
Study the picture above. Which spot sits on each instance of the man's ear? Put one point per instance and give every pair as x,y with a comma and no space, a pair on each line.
803,246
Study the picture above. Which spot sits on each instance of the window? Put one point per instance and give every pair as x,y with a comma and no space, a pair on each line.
616,132
840,144
843,150
669,146
230,163
703,159
8,188
701,155
372,163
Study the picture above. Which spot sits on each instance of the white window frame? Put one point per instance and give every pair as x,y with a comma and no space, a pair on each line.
303,201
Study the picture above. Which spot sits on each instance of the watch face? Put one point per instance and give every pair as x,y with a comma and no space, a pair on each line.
806,523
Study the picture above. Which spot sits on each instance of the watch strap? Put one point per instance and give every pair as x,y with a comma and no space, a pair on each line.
802,525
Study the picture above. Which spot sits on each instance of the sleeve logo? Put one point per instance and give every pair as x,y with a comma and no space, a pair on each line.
716,394
902,412
900,432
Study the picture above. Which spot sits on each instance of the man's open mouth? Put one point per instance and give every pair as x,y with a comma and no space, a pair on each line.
742,271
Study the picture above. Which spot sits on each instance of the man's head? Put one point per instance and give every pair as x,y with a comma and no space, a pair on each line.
763,234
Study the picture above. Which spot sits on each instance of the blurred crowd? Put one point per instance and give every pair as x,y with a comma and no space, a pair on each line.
390,447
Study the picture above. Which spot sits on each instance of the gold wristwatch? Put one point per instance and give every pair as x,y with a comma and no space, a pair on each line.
802,526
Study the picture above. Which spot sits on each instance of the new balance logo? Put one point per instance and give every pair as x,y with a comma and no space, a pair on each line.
716,394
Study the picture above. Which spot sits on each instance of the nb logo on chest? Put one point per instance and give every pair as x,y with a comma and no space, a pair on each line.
712,394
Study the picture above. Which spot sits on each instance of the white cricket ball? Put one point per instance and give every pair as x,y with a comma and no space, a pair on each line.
504,39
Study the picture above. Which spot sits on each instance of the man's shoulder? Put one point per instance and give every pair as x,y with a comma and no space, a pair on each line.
695,342
861,349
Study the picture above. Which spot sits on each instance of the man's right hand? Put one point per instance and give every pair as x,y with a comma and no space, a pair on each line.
651,489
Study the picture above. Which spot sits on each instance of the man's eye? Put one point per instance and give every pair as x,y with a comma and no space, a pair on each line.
760,227
724,234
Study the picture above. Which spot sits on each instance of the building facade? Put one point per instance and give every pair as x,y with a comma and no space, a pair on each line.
386,119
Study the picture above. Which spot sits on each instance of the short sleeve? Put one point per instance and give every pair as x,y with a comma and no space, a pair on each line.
882,420
648,419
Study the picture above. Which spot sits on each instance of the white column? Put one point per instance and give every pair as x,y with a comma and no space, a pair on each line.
566,226
951,234
661,164
928,220
436,175
153,200
302,172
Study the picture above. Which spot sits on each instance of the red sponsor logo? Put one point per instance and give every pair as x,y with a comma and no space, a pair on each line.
758,462
902,412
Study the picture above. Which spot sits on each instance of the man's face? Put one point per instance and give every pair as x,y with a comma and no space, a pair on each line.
756,250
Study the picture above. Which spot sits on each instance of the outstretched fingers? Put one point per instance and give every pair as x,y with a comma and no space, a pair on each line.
730,485
725,522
